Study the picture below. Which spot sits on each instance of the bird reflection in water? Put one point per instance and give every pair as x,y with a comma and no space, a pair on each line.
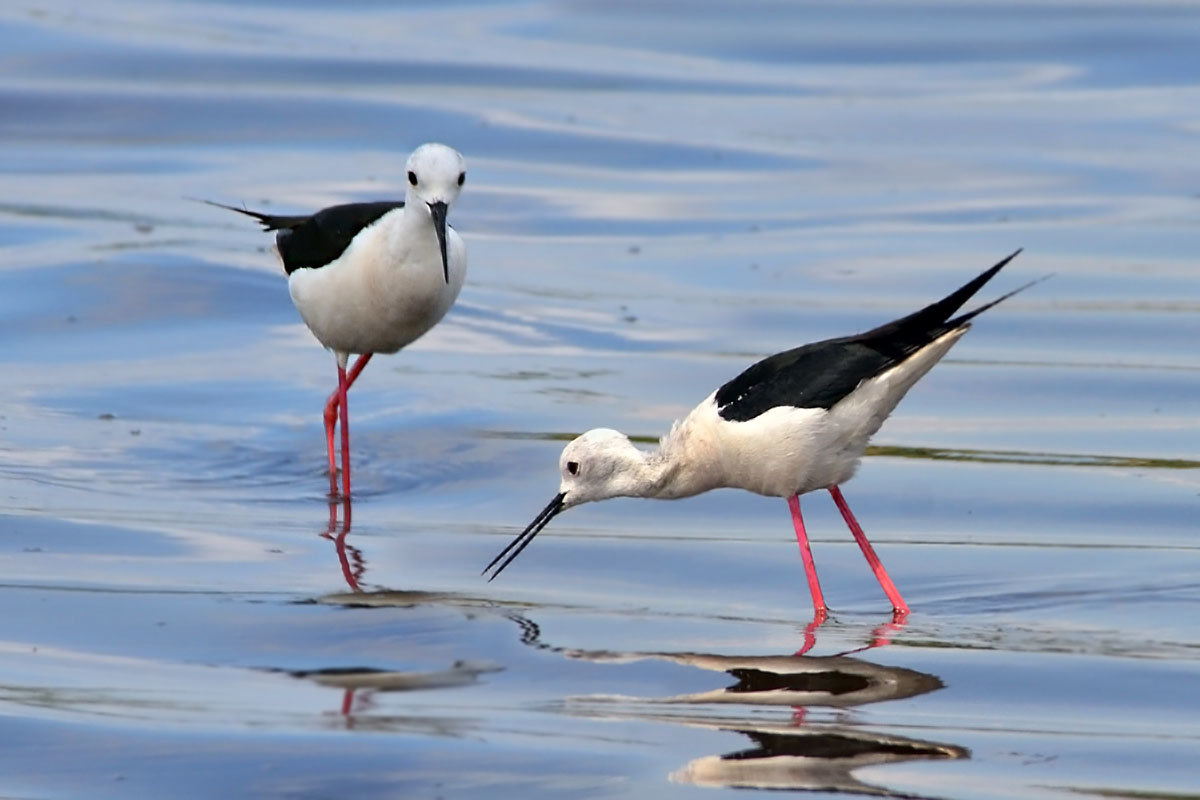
880,637
812,760
373,681
794,753
350,557
361,685
353,566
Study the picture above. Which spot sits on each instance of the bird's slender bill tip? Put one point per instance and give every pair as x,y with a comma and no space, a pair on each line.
522,540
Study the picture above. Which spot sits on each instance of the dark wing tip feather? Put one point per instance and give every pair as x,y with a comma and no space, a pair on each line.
820,374
269,222
963,319
936,314
321,238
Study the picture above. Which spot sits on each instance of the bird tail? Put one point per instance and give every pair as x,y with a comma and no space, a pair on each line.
270,222
938,313
936,316
963,319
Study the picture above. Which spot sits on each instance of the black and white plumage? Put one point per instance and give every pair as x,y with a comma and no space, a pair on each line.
821,374
792,423
317,240
374,277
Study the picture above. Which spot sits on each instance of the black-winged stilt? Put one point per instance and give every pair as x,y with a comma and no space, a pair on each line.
373,277
793,423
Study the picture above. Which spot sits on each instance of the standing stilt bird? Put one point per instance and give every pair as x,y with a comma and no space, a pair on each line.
374,277
793,423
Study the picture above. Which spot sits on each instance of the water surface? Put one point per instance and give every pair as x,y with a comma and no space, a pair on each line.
658,194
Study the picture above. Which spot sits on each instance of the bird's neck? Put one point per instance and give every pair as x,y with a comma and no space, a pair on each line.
684,463
411,229
416,214
668,474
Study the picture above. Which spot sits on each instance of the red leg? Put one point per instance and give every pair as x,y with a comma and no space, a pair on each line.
331,417
889,588
810,569
331,405
330,423
343,385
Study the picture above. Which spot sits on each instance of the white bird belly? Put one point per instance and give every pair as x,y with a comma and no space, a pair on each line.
377,298
776,454
782,452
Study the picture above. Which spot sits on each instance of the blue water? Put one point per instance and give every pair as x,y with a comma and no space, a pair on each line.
657,195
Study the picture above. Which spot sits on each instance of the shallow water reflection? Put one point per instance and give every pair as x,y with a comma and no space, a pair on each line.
788,758
350,558
795,754
659,194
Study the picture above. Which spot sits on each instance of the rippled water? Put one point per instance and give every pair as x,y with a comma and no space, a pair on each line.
658,193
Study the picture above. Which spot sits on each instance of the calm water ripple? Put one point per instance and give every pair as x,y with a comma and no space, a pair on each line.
659,194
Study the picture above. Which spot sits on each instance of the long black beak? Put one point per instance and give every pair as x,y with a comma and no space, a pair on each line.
438,212
522,541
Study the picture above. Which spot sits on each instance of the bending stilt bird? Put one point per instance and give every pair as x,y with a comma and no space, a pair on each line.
793,423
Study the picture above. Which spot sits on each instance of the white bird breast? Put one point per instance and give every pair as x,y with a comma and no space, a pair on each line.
384,292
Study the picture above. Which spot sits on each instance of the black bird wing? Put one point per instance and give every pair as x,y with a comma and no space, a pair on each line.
318,239
820,374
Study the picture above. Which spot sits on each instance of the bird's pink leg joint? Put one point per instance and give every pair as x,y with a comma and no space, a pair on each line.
331,405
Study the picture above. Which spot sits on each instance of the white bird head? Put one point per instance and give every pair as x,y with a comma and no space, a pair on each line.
600,464
435,173
435,177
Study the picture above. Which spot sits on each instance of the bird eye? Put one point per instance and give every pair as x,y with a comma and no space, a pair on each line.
462,176
573,467
412,177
